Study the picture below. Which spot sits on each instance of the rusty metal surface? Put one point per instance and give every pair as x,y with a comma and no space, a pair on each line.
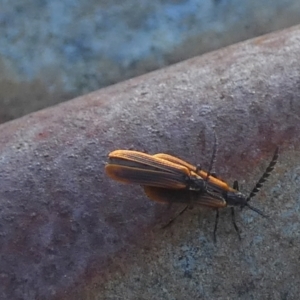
68,232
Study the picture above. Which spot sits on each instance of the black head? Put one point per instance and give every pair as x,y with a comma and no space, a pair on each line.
236,198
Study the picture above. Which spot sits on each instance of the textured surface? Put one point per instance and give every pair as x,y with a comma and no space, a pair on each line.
68,232
53,50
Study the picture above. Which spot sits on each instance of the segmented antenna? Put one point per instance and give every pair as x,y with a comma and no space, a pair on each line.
213,158
257,210
265,176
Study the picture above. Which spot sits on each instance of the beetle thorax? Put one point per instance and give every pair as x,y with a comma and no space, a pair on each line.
195,183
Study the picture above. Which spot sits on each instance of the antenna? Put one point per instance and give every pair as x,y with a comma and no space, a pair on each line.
213,158
263,178
256,210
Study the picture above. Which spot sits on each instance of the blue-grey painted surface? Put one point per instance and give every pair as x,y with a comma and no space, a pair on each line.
60,49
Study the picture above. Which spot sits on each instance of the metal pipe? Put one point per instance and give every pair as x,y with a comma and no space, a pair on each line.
67,229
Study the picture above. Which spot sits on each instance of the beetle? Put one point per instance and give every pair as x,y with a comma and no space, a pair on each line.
168,179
